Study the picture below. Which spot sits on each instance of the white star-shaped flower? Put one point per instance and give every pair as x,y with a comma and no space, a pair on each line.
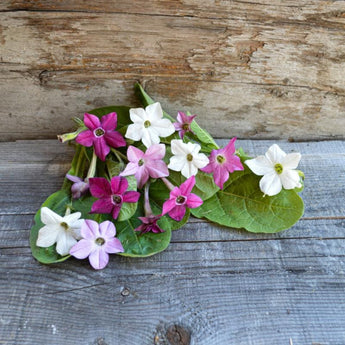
64,231
187,158
277,169
148,125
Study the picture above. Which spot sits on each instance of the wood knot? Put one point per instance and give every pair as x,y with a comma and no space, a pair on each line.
178,335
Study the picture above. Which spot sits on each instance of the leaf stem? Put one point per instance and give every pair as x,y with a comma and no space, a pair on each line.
93,164
169,185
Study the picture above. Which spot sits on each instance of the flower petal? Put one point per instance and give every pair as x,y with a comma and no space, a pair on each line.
114,139
168,206
147,139
116,211
82,249
107,229
49,217
233,163
220,176
90,229
99,187
74,179
47,235
134,154
178,147
154,111
137,115
164,127
131,196
157,169
187,186
113,246
270,184
103,206
200,160
99,258
189,170
156,151
101,148
109,121
178,212
291,160
260,165
142,175
119,185
134,131
71,218
131,169
177,163
91,121
193,201
275,154
85,138
64,243
290,179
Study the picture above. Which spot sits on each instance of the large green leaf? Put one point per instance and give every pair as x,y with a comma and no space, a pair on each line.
203,136
242,205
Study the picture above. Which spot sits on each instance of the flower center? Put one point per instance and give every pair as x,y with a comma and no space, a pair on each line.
64,225
185,127
220,159
117,199
98,132
180,200
189,157
278,168
100,241
141,162
147,124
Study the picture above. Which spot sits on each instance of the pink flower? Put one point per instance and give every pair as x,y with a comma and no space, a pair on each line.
101,134
149,224
180,198
183,123
97,243
144,165
111,195
79,187
222,162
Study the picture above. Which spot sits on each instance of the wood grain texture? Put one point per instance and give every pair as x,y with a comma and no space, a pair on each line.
262,69
219,286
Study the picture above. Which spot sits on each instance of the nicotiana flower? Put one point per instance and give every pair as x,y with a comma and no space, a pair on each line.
222,162
79,187
64,231
148,125
149,222
111,195
97,243
187,158
144,165
183,123
180,198
101,134
277,169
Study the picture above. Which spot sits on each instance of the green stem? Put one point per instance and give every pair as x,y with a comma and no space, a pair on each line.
93,164
120,156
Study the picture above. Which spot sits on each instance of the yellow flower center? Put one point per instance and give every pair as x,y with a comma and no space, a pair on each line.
220,159
100,241
278,168
147,124
98,132
189,157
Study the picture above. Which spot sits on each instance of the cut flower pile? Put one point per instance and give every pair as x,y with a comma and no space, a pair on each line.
138,174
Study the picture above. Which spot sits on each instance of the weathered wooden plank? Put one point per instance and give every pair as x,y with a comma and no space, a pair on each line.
248,69
262,292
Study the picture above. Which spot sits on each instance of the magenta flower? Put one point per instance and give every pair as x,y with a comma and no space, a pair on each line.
97,243
144,165
101,134
149,224
183,123
222,162
79,187
111,195
180,198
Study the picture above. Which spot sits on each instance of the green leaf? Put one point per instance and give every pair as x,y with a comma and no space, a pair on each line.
203,136
242,205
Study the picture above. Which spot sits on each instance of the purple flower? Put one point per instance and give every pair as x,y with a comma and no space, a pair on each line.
149,224
183,124
222,162
111,195
79,187
180,198
144,165
101,134
97,243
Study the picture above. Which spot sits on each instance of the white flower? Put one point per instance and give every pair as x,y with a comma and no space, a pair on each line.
148,125
187,158
277,169
64,231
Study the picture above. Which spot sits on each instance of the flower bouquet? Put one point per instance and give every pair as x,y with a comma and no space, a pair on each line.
138,174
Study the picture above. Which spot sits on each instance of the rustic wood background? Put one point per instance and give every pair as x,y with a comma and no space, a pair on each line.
254,69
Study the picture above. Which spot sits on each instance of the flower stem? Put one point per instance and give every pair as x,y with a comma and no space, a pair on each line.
120,156
147,206
169,185
93,164
70,136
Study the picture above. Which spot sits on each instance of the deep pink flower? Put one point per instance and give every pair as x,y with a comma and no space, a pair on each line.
111,195
180,198
97,243
222,162
149,224
101,134
79,186
183,123
144,165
